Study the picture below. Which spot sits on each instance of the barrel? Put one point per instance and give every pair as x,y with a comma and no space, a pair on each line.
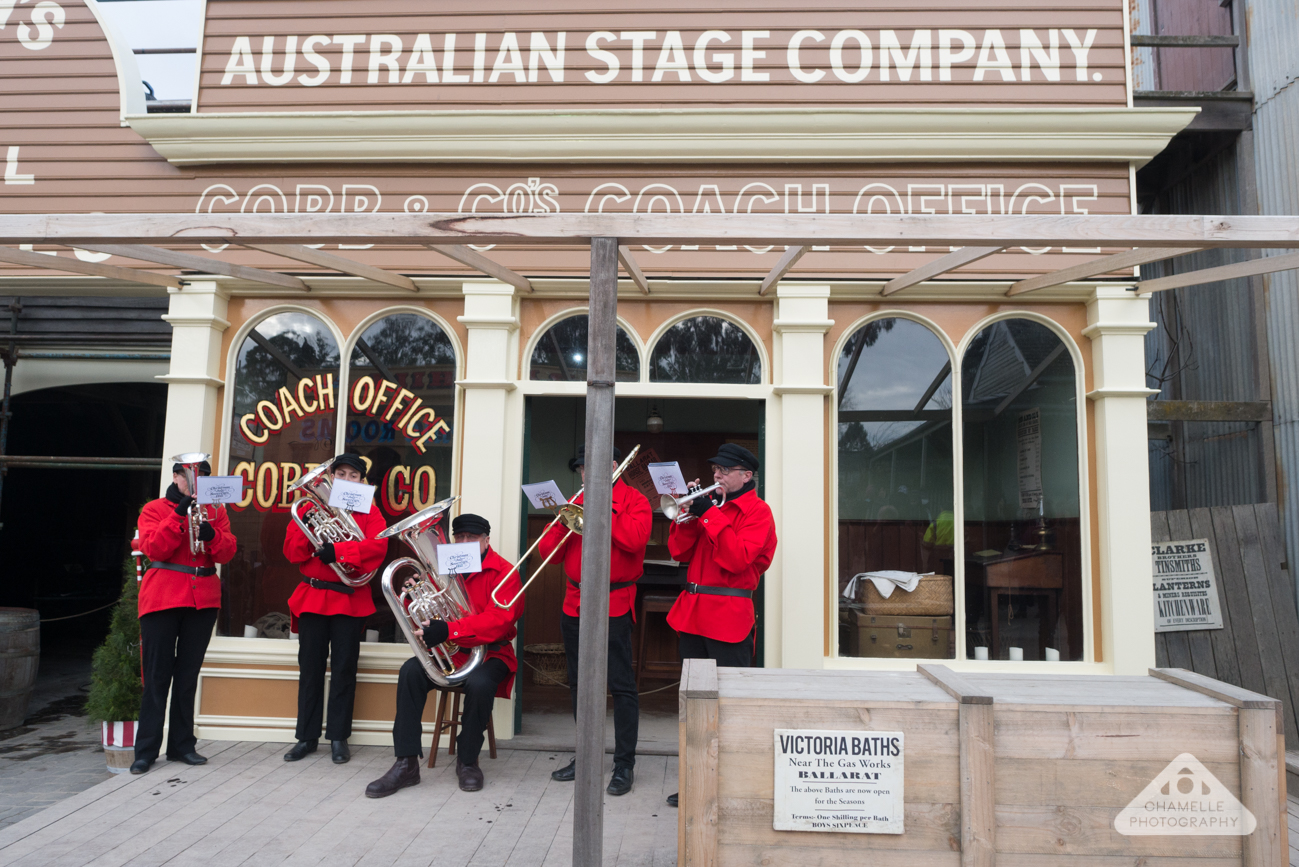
20,655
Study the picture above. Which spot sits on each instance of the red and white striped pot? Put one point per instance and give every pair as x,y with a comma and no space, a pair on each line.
119,745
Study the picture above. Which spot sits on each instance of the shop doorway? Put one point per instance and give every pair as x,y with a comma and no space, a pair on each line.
691,431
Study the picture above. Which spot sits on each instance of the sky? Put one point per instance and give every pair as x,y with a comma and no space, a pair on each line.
160,24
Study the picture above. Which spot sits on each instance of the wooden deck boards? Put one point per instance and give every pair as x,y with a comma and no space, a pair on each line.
248,807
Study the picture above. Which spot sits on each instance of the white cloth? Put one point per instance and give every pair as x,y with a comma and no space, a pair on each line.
885,581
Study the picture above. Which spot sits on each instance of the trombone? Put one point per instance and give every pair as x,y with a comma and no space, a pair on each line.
570,514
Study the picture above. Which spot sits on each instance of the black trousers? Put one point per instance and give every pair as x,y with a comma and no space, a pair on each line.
335,638
737,654
173,642
621,679
413,687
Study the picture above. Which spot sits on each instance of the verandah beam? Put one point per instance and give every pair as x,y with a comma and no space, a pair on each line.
633,270
782,267
335,263
76,266
479,262
202,264
1104,265
1142,230
1251,268
941,265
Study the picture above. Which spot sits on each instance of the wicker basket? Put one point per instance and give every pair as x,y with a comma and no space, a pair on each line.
932,596
548,663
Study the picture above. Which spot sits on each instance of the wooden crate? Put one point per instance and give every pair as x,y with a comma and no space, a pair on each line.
1018,770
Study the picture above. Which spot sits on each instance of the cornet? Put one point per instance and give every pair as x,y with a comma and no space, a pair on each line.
324,523
427,595
189,467
677,509
570,515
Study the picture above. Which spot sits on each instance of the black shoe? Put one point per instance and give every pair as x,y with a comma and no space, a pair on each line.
470,776
404,772
300,750
672,800
141,766
623,776
340,751
189,758
565,774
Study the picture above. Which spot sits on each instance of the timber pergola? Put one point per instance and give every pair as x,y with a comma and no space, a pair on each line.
151,237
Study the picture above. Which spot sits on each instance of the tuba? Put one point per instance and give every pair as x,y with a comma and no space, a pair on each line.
189,464
324,523
427,595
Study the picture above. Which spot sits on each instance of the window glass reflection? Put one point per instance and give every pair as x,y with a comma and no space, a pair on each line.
706,349
283,425
560,354
895,493
1023,559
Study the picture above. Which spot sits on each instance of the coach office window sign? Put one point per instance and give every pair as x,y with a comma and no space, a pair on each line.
1186,592
287,390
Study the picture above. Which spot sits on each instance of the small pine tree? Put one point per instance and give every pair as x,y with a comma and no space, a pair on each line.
115,688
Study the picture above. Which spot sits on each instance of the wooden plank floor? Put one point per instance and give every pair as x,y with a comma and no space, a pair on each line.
247,807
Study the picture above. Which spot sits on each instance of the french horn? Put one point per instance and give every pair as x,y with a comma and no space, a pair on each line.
417,593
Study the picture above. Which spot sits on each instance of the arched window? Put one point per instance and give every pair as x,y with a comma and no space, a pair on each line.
560,354
400,418
706,349
895,478
1022,531
285,384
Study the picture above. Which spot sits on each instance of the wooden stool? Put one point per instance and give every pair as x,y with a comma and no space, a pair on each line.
659,668
443,724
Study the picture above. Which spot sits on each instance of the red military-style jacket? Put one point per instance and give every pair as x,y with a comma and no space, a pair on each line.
730,546
632,518
364,556
491,625
164,538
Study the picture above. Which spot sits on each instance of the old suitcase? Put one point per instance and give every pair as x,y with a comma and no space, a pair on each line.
898,637
932,596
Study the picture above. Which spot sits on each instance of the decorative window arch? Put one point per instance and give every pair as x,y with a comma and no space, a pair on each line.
560,350
284,378
895,465
705,347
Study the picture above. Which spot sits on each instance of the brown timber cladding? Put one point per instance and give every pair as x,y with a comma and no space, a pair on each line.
296,55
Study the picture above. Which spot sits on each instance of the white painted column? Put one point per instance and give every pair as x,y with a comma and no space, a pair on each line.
197,315
800,584
1118,321
491,426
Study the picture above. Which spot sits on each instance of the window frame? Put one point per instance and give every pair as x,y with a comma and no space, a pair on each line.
525,358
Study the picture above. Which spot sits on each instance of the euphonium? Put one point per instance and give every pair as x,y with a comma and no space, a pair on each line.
427,595
189,467
324,523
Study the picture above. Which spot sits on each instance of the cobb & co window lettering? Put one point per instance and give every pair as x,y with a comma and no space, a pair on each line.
285,416
400,418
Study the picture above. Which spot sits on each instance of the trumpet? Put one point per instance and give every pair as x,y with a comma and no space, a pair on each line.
427,595
324,523
570,515
189,464
677,508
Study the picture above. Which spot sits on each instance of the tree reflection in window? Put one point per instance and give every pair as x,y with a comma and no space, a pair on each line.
560,354
706,349
281,350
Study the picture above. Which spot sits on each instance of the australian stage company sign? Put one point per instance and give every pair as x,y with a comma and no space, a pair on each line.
840,781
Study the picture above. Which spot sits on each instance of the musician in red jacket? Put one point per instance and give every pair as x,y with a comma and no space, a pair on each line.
180,596
728,548
491,627
329,617
632,517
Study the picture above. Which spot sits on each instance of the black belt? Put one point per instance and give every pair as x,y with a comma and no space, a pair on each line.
705,590
330,585
200,571
618,585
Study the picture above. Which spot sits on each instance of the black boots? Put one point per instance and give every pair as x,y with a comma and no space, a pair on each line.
623,777
565,774
340,751
469,776
403,773
300,750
